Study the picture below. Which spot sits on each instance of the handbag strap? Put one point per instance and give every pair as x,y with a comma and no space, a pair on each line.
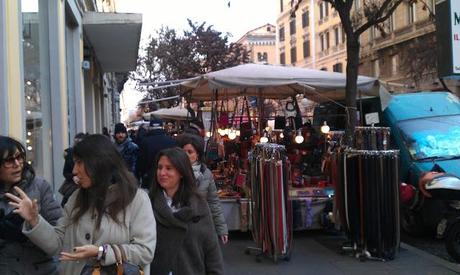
118,256
235,108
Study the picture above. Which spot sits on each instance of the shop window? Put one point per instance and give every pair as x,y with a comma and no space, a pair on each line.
36,93
411,10
322,40
281,34
391,23
305,19
432,6
376,68
357,4
394,65
323,10
293,55
292,27
306,48
337,36
283,58
262,57
337,68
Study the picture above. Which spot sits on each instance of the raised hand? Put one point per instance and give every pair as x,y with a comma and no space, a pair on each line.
24,206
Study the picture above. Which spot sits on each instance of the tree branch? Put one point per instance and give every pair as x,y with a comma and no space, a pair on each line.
377,17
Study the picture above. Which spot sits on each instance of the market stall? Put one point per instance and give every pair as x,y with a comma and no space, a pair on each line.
309,192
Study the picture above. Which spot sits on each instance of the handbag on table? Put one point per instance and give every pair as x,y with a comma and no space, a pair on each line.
121,267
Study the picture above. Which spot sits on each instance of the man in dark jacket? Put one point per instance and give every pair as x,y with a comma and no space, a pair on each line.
153,142
127,148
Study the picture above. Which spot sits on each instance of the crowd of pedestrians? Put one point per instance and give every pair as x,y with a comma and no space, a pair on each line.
173,228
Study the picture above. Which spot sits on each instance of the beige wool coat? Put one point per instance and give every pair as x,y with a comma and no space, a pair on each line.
137,236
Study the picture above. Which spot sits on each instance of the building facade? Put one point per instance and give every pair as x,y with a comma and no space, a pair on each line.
261,44
61,68
312,37
405,52
402,51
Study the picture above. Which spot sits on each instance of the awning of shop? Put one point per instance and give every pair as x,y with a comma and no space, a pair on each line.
115,39
272,81
175,113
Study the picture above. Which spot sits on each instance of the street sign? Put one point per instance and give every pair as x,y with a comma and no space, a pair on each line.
448,38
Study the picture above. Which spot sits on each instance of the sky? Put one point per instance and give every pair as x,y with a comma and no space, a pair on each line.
241,17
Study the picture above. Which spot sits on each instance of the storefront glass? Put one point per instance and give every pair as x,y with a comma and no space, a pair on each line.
36,93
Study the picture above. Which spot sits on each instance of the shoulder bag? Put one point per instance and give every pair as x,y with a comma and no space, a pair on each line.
121,267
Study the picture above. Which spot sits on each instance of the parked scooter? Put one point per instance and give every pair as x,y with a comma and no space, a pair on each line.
446,188
440,213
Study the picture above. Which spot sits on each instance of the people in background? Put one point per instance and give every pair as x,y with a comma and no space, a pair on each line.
108,208
127,148
153,142
69,186
194,148
18,255
186,243
195,127
105,132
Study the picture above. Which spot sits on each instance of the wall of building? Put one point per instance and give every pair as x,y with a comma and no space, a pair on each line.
387,56
408,31
45,95
313,44
261,44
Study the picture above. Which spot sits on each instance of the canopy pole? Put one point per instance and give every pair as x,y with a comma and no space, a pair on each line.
261,110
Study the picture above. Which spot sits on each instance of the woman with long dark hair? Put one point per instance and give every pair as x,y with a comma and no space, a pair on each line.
18,254
193,146
108,208
186,243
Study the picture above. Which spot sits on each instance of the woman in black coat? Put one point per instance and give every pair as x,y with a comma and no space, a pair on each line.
18,255
186,240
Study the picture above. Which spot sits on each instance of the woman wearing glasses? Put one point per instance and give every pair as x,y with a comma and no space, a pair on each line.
18,255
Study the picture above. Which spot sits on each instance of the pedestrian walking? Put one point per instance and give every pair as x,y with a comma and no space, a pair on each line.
127,148
194,148
69,186
18,255
186,243
153,142
108,208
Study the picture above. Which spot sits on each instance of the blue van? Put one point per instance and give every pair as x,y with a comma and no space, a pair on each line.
425,127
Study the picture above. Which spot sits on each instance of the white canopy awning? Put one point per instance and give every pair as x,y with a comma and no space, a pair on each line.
272,81
175,113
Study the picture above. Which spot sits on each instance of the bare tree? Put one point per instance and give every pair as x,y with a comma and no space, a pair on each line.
169,56
419,60
355,22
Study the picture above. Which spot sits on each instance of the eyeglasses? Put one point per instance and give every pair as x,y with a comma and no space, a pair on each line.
11,161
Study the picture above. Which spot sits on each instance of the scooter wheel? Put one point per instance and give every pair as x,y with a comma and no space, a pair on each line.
412,222
452,242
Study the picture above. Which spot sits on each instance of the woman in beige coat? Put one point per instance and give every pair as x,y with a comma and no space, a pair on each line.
107,209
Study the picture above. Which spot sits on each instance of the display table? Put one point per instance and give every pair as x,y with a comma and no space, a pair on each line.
307,210
232,213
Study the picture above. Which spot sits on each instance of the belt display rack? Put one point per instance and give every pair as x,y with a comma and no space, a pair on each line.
370,203
270,208
371,138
